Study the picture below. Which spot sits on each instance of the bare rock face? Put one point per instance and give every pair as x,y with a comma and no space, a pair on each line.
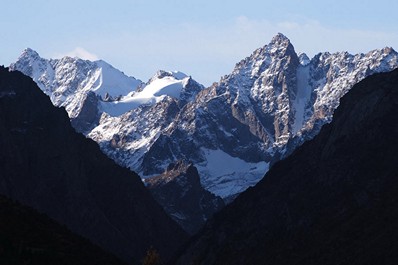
332,201
46,165
88,116
180,193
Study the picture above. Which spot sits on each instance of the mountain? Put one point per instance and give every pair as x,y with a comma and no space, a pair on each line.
124,115
28,237
46,165
333,201
182,196
76,84
271,103
128,137
232,132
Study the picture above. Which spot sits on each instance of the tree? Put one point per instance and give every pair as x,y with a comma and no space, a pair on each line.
152,257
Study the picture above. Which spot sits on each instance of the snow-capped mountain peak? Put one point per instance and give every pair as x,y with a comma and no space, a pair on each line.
266,57
29,53
163,84
280,46
61,78
280,40
76,84
32,64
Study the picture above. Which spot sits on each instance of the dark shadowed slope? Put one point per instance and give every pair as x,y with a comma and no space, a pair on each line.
45,164
28,237
333,201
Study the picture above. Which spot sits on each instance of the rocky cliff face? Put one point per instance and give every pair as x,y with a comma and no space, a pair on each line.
45,164
182,196
333,201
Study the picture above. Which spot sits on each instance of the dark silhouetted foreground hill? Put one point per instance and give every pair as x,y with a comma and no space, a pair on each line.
45,164
333,201
28,237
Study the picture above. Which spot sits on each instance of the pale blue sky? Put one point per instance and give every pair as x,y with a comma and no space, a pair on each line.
201,38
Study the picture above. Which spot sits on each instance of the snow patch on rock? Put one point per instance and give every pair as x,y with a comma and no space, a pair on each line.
225,175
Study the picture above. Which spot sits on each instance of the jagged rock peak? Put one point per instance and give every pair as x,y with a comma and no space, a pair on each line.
277,46
280,46
304,59
161,74
27,61
27,57
280,39
387,50
28,52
